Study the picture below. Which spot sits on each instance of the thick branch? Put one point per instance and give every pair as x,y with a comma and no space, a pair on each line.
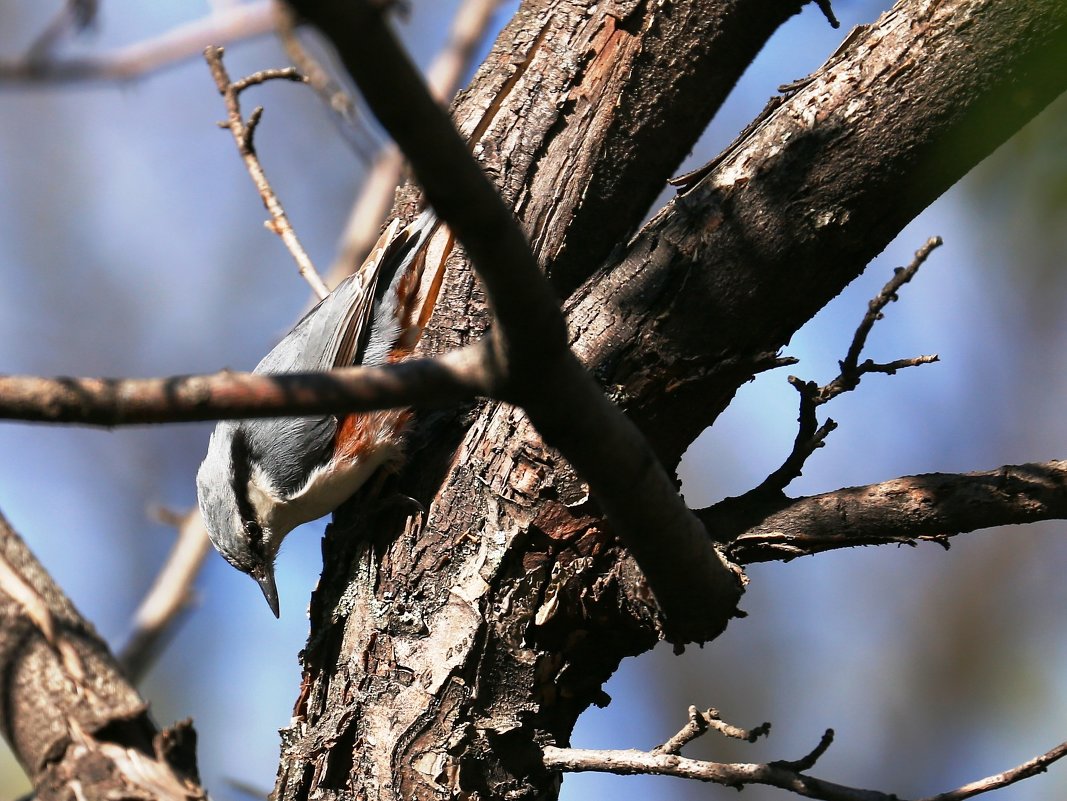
905,510
739,260
68,712
511,593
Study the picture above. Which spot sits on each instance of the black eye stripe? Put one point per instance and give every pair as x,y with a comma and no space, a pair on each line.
241,459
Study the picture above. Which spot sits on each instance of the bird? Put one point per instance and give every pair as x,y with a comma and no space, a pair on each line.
262,478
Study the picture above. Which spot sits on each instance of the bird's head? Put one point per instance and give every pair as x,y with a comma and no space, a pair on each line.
233,523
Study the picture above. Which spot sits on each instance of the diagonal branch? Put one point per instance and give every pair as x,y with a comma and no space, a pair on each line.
169,596
68,712
74,17
242,21
533,365
334,96
243,132
368,213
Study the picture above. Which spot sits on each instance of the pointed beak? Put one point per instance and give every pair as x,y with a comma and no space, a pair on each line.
270,589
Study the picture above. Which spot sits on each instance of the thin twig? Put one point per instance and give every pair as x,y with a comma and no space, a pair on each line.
851,370
787,775
701,722
169,596
243,21
243,133
469,25
810,435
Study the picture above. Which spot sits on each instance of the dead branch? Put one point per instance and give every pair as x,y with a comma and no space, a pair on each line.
903,511
701,722
811,436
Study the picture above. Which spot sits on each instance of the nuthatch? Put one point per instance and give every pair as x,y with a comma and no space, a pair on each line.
262,478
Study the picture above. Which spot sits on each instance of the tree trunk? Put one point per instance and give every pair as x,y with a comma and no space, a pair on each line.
446,647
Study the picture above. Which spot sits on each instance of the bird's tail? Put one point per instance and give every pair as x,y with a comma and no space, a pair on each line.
412,264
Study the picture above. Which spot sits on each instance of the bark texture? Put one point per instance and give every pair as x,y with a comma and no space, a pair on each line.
77,727
446,647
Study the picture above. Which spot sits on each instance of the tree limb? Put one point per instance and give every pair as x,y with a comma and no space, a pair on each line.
907,510
512,579
68,713
785,775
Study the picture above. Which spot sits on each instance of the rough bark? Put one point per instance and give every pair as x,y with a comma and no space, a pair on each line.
77,727
444,649
904,510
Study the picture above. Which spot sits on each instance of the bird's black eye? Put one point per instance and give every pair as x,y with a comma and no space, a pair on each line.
254,531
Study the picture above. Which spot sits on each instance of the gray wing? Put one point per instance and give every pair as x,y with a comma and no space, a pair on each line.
271,443
333,334
290,448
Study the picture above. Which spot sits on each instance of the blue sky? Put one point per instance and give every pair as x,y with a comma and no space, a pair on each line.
131,243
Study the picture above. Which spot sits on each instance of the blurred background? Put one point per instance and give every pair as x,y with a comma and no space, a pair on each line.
132,244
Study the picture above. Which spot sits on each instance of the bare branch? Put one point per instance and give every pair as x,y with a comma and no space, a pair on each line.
787,775
243,133
811,436
534,367
238,22
851,370
169,596
457,375
700,722
906,511
69,714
